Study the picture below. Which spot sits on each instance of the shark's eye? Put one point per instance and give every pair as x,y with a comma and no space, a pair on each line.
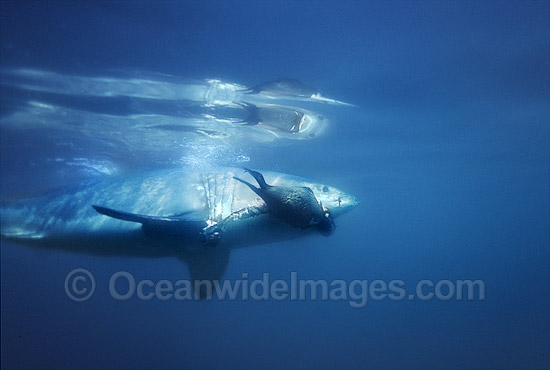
325,189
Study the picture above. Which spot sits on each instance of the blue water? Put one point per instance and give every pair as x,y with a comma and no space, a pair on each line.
448,148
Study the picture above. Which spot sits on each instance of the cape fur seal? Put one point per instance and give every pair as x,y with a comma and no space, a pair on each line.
297,205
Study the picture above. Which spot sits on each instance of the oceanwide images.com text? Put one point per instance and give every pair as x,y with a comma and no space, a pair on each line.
80,286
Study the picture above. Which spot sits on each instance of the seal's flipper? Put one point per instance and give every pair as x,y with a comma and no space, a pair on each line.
261,181
259,178
181,224
252,187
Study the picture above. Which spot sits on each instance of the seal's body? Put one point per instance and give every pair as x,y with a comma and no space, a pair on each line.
296,205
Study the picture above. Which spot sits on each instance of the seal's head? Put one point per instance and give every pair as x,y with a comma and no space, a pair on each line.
301,202
326,224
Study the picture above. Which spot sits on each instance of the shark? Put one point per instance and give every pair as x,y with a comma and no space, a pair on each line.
198,217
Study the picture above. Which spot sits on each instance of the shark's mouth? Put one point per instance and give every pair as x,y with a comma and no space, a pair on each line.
291,122
283,119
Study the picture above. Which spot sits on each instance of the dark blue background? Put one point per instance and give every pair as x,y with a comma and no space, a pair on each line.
449,150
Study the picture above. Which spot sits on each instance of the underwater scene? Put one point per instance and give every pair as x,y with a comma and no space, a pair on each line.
275,184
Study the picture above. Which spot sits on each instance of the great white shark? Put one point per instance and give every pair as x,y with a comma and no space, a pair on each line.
162,213
164,87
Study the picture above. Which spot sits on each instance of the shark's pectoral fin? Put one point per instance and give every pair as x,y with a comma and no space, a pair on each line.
188,223
206,268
